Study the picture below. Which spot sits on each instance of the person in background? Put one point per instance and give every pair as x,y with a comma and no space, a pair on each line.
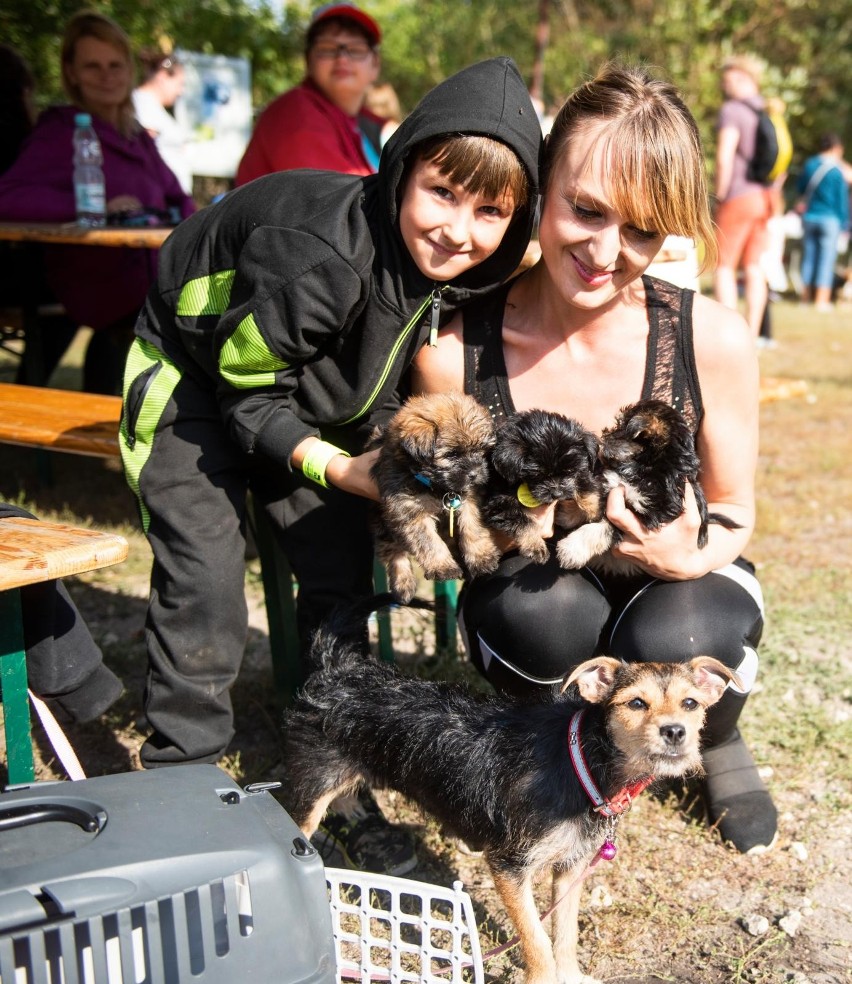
772,260
825,195
17,109
584,333
163,80
99,286
384,102
743,206
323,123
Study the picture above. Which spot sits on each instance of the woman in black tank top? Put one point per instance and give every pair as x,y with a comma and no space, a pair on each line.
584,332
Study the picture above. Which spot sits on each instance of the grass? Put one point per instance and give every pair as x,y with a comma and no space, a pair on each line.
678,899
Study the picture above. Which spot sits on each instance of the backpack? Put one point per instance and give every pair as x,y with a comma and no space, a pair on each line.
773,147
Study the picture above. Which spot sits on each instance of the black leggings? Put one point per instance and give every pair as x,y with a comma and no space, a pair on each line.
527,625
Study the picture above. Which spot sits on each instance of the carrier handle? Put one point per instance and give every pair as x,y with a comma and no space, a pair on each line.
22,816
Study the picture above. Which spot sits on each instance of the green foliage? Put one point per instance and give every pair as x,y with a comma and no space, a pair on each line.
806,44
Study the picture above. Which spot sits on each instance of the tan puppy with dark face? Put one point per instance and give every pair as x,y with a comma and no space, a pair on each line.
499,774
431,470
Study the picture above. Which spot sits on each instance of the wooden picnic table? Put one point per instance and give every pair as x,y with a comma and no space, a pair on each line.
33,551
33,234
71,233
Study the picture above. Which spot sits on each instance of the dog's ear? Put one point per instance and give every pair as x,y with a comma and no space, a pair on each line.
594,678
418,440
592,446
712,677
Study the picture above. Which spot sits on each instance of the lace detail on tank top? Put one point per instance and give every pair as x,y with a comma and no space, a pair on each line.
669,366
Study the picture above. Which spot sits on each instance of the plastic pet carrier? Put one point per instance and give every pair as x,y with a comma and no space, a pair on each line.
169,876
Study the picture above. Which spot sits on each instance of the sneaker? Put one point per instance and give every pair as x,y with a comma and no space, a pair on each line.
367,842
738,804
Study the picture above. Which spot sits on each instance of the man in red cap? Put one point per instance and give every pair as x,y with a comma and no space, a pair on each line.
322,122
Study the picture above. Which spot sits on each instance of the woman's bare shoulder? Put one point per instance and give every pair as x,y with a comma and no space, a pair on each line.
439,368
725,352
719,331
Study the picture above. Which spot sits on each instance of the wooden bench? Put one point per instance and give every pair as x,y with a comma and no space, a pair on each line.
86,423
32,551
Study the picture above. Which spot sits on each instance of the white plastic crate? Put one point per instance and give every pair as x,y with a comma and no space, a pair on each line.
397,930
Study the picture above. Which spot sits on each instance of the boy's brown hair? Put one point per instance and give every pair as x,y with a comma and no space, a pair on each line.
481,165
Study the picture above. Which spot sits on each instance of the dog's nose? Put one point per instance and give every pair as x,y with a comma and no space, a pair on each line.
673,733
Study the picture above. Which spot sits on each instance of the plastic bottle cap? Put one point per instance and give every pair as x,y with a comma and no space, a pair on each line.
83,119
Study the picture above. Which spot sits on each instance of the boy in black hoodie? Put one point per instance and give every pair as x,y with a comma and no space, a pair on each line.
276,335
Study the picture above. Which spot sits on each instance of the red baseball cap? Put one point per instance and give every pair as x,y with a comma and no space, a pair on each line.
350,12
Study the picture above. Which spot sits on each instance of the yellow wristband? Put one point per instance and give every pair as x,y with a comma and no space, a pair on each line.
316,461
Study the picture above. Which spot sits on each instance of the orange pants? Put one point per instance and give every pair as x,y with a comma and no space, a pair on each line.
741,228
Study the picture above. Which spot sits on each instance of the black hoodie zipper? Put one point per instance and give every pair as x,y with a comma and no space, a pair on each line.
433,300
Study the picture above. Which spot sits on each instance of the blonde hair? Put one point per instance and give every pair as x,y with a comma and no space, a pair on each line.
653,150
752,66
382,100
90,24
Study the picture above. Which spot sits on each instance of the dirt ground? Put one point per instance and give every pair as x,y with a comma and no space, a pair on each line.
675,905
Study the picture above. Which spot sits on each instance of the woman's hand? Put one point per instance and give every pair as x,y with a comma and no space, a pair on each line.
670,552
124,203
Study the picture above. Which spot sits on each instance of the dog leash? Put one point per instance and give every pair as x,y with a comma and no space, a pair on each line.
496,951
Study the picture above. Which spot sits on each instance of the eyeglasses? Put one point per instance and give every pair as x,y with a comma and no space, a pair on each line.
355,52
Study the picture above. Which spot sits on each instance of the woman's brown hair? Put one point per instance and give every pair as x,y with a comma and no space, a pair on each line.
655,161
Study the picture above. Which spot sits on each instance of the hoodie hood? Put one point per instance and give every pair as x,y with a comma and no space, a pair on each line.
490,99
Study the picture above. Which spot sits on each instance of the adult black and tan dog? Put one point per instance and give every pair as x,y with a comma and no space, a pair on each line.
497,773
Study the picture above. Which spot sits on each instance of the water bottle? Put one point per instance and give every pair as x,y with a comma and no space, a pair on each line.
89,192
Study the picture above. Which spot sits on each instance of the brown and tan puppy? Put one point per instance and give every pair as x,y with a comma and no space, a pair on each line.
431,470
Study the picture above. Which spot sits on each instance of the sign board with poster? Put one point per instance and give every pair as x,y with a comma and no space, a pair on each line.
215,109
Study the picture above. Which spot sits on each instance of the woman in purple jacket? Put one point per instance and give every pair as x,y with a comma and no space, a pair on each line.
102,287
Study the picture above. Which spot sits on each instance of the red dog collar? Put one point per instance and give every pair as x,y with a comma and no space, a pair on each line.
622,800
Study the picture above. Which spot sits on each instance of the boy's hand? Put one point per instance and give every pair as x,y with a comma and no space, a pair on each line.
353,474
349,474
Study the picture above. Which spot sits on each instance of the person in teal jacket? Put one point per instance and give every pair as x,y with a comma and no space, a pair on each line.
825,193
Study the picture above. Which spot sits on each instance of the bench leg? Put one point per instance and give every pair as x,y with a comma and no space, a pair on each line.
13,686
446,597
383,618
278,588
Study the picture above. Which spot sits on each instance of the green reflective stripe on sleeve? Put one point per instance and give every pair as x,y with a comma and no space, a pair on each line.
206,295
246,360
134,454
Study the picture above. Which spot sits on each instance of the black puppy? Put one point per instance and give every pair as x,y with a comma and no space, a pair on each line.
651,452
539,457
500,774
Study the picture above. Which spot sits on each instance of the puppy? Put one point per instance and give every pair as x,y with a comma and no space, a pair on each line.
431,470
539,457
499,774
651,452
